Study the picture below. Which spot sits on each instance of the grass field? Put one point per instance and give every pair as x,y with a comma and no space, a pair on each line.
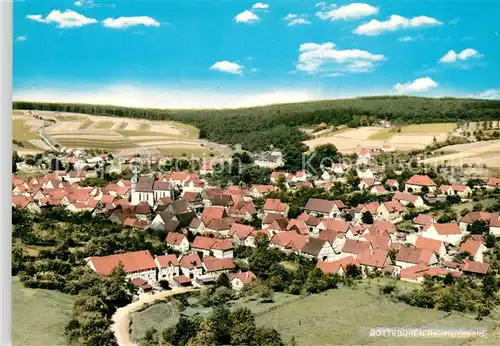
337,317
345,316
39,316
68,117
22,132
387,133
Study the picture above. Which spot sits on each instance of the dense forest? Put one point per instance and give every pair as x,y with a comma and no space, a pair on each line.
257,128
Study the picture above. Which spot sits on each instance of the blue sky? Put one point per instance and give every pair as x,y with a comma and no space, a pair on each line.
199,53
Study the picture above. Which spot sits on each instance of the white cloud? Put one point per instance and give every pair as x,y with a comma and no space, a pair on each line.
21,38
454,21
410,38
490,94
228,67
418,85
395,22
296,19
125,22
246,17
314,58
84,3
348,12
467,53
170,97
260,6
66,19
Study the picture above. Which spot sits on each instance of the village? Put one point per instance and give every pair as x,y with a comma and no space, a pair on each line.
205,224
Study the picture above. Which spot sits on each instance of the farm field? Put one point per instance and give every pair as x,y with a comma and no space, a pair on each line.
117,135
336,317
39,316
410,137
479,153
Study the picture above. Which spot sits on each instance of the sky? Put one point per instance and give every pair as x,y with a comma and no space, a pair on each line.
237,53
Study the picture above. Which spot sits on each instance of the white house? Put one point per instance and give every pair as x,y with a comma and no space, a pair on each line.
475,248
191,265
177,242
417,182
168,267
137,264
446,232
142,190
240,280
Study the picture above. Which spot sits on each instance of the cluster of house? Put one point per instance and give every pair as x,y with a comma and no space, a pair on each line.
185,206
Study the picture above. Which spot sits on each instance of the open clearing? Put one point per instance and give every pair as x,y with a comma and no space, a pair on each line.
477,153
39,316
337,317
410,137
120,136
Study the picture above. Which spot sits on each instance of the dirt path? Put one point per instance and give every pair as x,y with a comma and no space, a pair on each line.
121,318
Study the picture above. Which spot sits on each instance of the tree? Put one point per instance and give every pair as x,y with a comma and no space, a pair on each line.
353,271
448,279
164,284
205,335
367,218
478,227
267,336
489,241
490,286
222,324
150,338
223,281
243,327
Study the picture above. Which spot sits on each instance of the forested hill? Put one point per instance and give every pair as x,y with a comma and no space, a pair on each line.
257,127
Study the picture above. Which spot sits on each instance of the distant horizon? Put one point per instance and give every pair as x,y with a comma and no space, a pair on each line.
246,102
216,55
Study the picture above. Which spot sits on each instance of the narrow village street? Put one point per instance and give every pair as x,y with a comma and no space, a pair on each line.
121,318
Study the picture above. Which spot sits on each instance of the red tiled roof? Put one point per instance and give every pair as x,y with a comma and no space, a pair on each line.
174,238
245,277
445,228
428,244
207,243
376,259
420,180
289,240
471,246
476,267
333,267
166,260
298,226
380,226
240,231
213,264
355,246
182,279
336,225
275,205
493,182
210,213
190,261
410,254
132,262
424,219
404,196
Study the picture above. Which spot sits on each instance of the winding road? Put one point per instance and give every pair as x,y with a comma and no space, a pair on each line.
121,318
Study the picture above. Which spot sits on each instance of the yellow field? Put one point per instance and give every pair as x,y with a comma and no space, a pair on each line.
439,128
22,132
104,125
117,135
350,140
